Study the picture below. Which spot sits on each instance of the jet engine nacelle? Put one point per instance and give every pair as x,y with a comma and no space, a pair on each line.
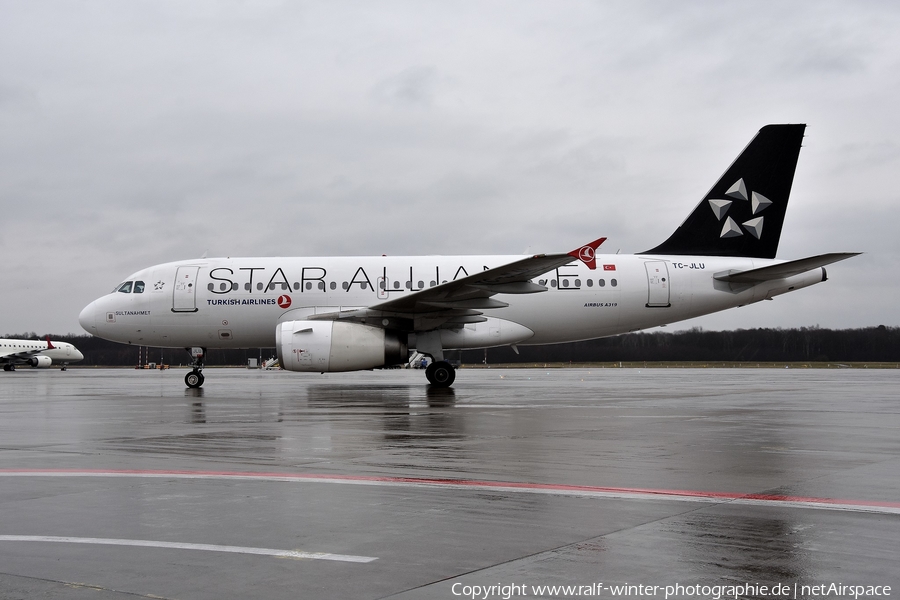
40,362
329,346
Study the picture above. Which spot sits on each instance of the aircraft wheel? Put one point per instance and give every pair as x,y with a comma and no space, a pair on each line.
194,379
7,367
442,374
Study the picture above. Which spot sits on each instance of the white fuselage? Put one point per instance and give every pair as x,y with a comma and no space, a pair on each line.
21,352
237,302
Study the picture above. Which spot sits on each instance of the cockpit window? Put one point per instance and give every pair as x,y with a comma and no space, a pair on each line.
125,288
138,287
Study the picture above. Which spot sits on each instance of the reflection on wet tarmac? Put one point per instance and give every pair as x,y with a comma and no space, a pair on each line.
198,414
342,460
233,444
760,548
440,397
420,418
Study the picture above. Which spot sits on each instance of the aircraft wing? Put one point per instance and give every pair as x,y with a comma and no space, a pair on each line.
785,269
460,301
23,355
19,356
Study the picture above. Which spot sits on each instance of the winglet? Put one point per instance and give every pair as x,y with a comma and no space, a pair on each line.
587,253
50,345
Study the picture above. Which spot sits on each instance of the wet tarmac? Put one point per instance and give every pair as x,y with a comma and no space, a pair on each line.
264,484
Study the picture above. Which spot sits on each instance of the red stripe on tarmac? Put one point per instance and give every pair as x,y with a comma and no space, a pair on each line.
507,486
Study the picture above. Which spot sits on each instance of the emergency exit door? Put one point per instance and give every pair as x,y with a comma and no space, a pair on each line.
657,283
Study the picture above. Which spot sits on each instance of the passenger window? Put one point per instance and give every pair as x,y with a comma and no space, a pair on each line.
125,288
138,287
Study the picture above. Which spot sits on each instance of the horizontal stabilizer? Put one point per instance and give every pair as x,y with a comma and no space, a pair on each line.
785,269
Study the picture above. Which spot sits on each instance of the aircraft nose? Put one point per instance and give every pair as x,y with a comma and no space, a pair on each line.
88,318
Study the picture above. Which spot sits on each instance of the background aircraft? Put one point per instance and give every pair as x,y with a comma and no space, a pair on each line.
40,355
350,313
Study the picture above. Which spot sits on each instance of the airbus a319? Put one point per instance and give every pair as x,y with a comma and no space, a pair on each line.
333,314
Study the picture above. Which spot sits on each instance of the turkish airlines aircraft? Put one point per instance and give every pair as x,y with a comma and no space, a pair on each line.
40,355
352,313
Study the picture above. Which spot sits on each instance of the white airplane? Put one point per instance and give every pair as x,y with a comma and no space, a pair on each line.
353,313
40,355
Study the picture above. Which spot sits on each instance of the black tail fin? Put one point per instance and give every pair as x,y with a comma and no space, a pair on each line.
743,213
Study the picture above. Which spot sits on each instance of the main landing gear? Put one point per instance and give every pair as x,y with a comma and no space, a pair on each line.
440,374
9,367
194,379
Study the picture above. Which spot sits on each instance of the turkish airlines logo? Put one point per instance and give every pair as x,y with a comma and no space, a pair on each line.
284,301
586,254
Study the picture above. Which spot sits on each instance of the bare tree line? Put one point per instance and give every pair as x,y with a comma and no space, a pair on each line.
874,344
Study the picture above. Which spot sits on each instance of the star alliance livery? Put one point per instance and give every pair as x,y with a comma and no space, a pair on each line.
352,313
40,355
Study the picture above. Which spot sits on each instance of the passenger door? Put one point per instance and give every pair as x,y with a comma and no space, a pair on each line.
657,283
184,297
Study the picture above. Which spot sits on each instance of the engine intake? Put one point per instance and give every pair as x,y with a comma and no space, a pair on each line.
331,346
40,362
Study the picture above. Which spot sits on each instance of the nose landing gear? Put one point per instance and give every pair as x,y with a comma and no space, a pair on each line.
194,379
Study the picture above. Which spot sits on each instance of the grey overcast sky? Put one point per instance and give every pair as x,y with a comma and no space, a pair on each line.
135,133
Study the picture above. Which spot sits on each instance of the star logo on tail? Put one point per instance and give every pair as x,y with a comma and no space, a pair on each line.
738,193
